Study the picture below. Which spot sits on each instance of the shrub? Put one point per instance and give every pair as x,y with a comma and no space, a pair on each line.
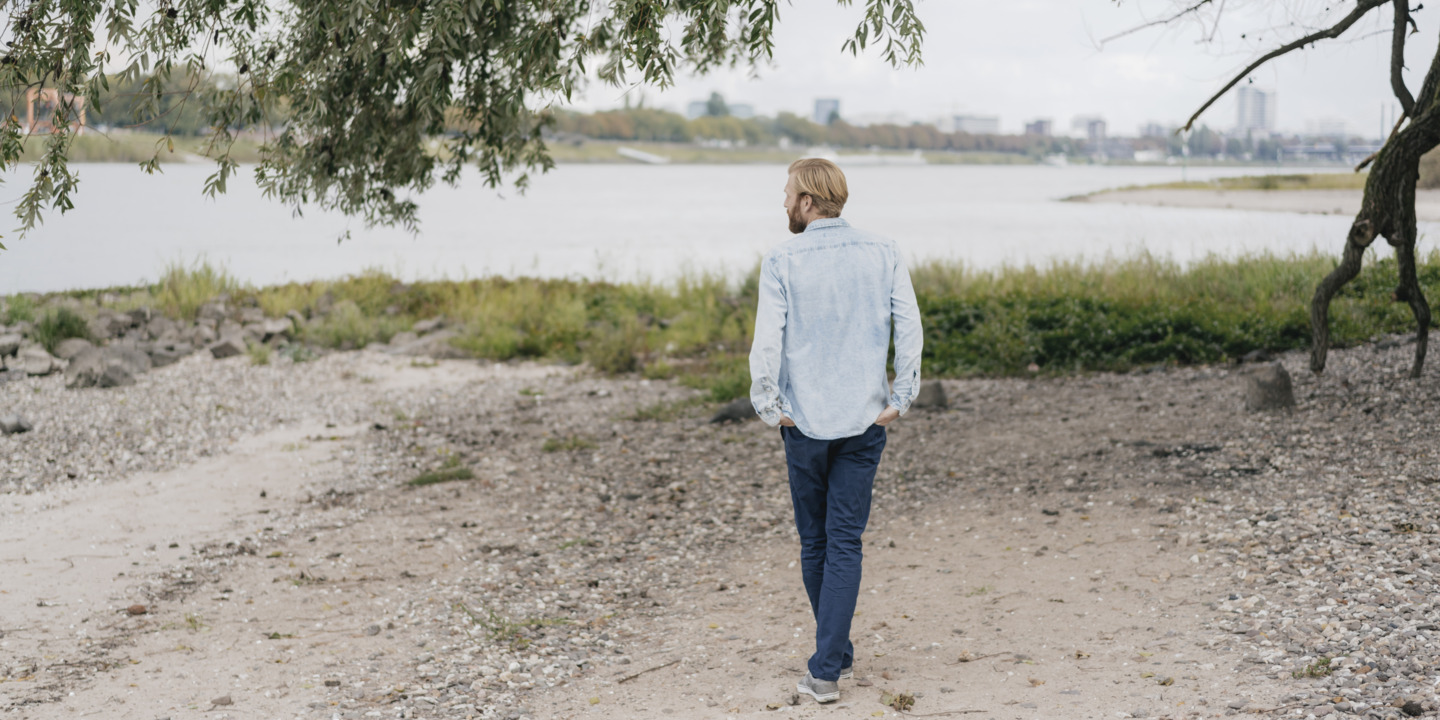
19,308
60,324
182,290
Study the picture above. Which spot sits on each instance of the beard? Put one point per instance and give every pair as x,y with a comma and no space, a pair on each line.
797,223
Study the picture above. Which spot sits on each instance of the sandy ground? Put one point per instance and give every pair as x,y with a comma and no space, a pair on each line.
1319,202
1029,556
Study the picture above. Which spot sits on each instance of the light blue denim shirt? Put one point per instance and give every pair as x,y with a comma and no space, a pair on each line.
822,331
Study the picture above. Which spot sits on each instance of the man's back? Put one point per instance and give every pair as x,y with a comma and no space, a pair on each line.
826,301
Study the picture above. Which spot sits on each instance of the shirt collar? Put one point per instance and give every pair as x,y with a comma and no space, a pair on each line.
819,223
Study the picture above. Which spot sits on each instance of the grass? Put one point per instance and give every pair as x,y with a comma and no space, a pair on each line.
667,411
18,308
259,353
59,324
1062,317
1317,669
450,471
501,629
567,444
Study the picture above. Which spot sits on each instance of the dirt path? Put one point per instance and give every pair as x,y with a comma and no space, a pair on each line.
1043,549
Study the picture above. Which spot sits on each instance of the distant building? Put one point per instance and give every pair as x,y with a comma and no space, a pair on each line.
1255,109
1042,127
744,111
1091,127
826,109
1156,130
977,124
696,108
868,119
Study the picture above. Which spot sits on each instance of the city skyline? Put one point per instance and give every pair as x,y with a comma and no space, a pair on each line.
1049,68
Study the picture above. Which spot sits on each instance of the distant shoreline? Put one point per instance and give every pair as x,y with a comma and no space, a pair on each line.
1321,194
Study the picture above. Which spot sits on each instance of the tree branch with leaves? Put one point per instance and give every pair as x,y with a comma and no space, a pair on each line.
384,97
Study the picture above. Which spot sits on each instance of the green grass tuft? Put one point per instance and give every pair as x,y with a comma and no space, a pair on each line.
59,324
450,471
567,444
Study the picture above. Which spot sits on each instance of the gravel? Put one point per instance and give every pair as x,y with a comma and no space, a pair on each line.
1320,523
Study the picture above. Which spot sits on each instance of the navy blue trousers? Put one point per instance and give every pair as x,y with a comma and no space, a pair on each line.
830,485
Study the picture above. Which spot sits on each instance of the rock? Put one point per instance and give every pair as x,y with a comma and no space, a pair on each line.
38,362
1256,356
252,315
1412,708
230,328
213,310
112,366
14,424
931,396
9,343
222,700
276,328
435,345
738,410
1268,388
253,332
159,326
425,326
167,354
70,347
202,335
136,609
227,347
139,316
401,339
372,630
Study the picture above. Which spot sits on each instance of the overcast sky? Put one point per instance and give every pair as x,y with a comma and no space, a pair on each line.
1027,59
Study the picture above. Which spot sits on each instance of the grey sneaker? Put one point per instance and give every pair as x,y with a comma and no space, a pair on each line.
823,691
847,672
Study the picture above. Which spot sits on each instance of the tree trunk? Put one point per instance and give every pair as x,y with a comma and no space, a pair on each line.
1388,210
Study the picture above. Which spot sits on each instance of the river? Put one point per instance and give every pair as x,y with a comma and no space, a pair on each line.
624,222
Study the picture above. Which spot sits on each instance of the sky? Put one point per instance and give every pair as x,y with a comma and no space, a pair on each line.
1028,59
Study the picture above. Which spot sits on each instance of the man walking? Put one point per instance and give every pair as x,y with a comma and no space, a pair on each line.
817,369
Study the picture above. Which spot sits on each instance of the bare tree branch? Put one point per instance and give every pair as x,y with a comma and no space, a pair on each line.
1397,56
1163,21
1334,31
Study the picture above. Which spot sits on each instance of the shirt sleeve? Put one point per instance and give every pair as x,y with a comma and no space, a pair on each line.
767,348
909,338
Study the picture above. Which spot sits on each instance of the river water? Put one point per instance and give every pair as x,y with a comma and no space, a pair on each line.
625,222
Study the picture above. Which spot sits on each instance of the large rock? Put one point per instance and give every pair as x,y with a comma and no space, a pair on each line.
252,315
9,343
737,410
108,324
160,326
202,335
931,396
213,310
435,345
1268,388
275,328
228,346
425,326
14,424
38,362
70,347
162,354
106,367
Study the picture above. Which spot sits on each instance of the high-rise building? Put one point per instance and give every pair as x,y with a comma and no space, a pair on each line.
696,108
826,109
744,111
1255,109
977,124
1092,127
1043,127
1156,130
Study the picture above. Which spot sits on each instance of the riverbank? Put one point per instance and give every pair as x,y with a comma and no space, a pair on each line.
1337,194
1068,317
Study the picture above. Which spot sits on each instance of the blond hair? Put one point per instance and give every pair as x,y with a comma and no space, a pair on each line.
823,182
